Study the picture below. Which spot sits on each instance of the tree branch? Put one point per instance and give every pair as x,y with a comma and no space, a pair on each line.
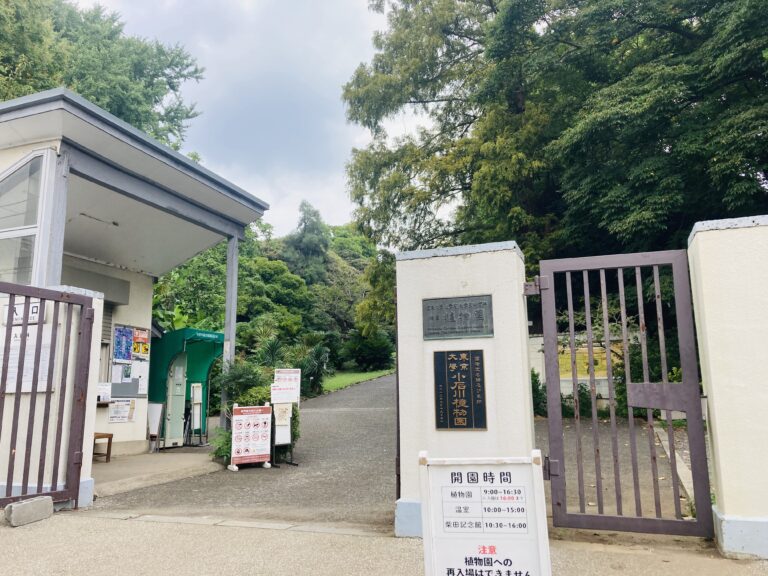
665,27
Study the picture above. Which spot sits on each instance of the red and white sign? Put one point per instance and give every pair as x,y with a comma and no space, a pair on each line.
251,434
286,386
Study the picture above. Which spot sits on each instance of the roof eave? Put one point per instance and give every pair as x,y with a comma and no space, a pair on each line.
90,112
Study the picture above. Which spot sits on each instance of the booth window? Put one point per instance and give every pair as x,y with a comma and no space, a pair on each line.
19,199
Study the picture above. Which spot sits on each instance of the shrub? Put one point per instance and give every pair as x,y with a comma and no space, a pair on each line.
539,395
222,444
568,406
372,352
255,396
241,376
313,364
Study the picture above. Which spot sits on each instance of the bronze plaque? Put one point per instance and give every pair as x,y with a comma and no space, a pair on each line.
462,317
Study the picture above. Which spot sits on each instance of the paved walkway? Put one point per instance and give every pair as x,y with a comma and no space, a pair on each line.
346,472
331,515
75,543
126,473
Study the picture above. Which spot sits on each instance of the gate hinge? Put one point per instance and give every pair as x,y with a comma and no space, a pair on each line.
551,468
534,288
77,458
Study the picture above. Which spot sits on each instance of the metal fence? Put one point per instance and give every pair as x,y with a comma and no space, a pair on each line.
45,343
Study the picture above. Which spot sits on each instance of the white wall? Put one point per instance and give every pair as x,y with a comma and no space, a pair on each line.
9,156
130,437
492,269
729,281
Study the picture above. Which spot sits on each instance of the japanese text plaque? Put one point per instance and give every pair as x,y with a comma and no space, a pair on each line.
462,317
460,390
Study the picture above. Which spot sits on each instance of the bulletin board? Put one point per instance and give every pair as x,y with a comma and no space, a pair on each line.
130,362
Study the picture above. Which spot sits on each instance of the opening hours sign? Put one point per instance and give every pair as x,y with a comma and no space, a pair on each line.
484,516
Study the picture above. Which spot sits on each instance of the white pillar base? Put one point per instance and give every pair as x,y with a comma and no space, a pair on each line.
741,537
408,519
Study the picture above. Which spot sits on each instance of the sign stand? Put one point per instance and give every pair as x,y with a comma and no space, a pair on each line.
251,436
285,391
487,513
274,445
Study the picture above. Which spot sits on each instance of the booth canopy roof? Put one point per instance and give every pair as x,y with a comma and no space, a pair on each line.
105,226
62,114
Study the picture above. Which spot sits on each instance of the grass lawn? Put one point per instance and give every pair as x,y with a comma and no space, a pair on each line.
343,379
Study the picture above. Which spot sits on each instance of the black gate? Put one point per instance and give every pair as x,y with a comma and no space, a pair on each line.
46,345
624,404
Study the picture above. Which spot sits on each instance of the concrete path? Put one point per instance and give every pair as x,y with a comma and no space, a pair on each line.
346,472
331,515
77,543
126,473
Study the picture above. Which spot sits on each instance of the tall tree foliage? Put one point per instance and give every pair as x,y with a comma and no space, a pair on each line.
306,249
569,125
49,43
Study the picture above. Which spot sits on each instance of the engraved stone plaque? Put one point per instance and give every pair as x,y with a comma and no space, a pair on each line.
462,317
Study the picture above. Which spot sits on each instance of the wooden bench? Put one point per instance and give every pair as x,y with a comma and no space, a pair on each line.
103,436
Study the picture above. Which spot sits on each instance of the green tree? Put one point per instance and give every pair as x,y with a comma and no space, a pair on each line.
572,126
29,48
49,43
334,302
354,248
306,249
376,311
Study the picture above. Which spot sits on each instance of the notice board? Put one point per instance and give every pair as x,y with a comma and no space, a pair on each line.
484,513
251,434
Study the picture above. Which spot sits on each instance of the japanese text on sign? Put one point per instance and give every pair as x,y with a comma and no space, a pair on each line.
484,517
460,390
286,387
463,317
251,434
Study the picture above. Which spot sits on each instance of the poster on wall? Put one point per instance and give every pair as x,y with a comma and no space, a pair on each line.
104,391
123,343
140,372
251,434
28,371
140,347
122,410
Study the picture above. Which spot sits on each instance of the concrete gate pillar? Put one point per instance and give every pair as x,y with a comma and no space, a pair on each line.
729,281
463,377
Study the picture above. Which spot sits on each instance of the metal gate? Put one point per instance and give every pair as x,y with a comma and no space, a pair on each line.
620,357
46,340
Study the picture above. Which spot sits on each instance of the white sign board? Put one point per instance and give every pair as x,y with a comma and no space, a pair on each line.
484,514
30,351
122,410
104,391
18,313
286,386
251,434
140,372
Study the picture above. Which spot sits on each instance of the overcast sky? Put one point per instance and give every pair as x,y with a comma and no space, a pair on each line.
272,117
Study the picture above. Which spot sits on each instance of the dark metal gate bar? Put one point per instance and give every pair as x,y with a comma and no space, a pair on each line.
40,365
617,327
